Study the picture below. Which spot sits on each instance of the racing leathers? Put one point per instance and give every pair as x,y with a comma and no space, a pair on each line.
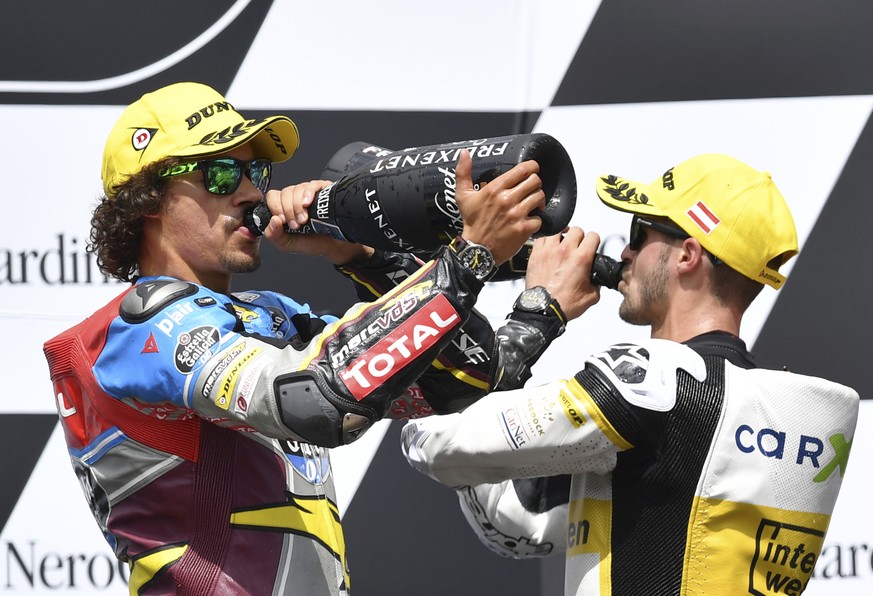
198,422
659,468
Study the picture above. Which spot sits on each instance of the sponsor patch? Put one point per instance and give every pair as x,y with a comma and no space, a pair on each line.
310,461
246,296
280,321
411,405
528,422
142,137
172,317
400,347
472,351
246,315
572,409
784,554
389,314
151,346
705,219
247,383
513,429
219,368
195,347
205,301
227,383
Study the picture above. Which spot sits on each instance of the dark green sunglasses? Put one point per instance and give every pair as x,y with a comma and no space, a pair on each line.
222,175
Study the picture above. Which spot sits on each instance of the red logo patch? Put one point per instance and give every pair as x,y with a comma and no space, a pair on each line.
141,138
400,347
151,346
705,219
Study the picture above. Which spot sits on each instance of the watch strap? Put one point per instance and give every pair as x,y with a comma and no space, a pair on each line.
551,309
457,244
461,247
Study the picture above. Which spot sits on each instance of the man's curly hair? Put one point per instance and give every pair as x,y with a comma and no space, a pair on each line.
117,220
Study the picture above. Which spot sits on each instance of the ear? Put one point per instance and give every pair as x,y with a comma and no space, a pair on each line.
692,256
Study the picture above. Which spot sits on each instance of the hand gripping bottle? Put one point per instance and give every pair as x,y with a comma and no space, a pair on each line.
405,200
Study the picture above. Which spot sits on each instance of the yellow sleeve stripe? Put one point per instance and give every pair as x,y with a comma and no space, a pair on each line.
363,283
462,376
581,395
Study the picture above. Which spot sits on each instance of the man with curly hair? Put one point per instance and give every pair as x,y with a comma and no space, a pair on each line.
198,420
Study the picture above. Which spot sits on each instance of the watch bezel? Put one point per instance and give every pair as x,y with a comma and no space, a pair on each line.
535,299
486,266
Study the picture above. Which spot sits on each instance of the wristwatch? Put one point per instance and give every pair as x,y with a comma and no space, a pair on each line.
537,300
474,257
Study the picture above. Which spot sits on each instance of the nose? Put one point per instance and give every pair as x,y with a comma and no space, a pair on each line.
627,253
247,193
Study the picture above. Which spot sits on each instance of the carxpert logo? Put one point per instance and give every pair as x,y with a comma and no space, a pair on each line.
802,450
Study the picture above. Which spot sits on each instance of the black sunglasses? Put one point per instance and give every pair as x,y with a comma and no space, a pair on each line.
638,234
223,175
638,231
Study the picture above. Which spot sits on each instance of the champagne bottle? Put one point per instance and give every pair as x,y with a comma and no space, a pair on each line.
405,200
605,271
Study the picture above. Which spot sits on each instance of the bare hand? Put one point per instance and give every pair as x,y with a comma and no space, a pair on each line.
562,265
498,216
290,207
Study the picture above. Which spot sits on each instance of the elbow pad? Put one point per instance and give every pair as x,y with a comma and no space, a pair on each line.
304,408
348,377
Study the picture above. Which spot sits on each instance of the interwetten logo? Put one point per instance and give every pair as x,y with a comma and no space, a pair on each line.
785,556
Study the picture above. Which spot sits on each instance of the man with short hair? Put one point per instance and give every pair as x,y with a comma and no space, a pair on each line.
671,465
197,419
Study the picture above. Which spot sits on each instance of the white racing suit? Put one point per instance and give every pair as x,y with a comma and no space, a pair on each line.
660,468
199,423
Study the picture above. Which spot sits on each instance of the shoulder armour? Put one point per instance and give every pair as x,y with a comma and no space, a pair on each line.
645,373
148,298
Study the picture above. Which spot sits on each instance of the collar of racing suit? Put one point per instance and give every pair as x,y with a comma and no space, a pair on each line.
724,344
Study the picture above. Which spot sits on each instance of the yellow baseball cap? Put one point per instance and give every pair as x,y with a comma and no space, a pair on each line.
733,210
188,120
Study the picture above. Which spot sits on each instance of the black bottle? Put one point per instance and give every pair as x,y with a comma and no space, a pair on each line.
405,200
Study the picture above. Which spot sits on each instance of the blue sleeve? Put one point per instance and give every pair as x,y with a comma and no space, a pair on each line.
157,359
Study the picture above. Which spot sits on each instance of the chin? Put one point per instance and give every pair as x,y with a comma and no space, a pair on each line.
629,314
242,264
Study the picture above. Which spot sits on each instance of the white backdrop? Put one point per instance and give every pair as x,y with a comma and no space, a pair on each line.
50,542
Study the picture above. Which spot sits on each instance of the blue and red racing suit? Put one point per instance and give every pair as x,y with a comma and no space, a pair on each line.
198,423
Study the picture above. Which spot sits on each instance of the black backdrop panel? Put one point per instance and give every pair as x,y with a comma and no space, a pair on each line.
53,41
690,50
